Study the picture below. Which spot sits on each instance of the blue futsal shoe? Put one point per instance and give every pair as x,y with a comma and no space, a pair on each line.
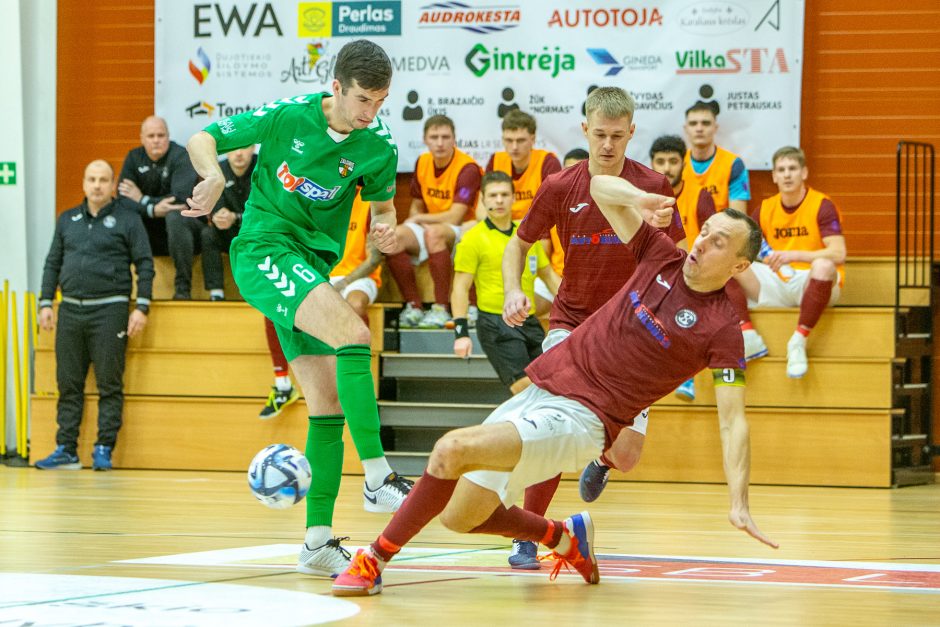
60,459
580,530
524,555
593,481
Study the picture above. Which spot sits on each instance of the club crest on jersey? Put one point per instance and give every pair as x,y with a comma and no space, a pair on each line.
304,186
686,318
346,167
109,222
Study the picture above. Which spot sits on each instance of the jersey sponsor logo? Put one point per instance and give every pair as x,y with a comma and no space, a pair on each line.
793,231
304,186
604,238
649,320
141,169
298,146
443,194
579,207
76,217
109,222
686,318
345,167
663,282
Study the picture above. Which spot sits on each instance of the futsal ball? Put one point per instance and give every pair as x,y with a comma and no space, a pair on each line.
279,476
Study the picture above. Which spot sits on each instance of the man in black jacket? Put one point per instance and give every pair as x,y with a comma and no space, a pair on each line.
158,176
92,249
226,217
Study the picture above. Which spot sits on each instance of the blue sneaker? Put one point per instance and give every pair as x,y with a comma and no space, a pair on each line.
524,555
686,391
580,529
593,481
60,460
101,457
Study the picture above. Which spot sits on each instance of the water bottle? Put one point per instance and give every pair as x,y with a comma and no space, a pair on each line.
786,271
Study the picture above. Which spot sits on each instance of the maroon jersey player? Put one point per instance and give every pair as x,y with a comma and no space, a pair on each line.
671,318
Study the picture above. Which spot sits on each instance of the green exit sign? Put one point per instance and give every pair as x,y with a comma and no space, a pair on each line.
7,173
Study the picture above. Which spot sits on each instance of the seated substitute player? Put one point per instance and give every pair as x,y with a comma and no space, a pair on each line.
226,219
479,261
671,318
444,192
803,228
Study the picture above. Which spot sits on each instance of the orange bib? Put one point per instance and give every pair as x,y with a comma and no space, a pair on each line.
525,186
438,191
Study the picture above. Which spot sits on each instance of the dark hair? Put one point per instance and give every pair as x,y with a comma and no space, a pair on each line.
754,235
496,176
711,106
668,143
517,119
365,63
576,153
439,120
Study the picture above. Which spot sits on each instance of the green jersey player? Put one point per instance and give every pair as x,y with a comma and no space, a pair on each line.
314,149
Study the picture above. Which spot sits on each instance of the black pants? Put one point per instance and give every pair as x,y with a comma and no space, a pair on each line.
214,243
509,349
85,335
183,239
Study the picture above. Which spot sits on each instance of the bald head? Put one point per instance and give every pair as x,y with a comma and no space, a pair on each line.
155,137
98,184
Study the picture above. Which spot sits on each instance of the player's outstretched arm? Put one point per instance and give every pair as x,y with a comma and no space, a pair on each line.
516,304
625,206
736,453
205,158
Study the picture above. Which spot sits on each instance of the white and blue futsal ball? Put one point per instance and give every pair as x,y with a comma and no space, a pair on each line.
279,476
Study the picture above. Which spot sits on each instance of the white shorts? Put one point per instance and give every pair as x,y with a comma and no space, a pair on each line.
365,284
542,290
558,435
418,230
775,292
554,337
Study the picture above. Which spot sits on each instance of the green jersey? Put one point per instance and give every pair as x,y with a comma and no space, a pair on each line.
304,182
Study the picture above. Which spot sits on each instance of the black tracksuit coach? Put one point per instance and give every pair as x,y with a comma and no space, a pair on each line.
90,260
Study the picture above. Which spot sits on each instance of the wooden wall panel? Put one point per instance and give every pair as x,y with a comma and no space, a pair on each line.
871,77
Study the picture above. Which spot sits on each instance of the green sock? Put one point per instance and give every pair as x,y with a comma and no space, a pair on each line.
357,397
325,453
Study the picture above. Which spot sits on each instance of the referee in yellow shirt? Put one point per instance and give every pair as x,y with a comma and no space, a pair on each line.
478,260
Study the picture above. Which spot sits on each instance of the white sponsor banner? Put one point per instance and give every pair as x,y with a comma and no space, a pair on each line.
473,61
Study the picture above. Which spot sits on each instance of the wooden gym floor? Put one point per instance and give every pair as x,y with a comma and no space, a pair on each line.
185,548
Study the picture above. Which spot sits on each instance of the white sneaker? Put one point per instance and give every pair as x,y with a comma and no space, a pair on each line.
328,560
389,496
410,317
797,365
435,318
754,346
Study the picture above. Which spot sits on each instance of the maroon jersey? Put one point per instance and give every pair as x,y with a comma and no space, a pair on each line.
651,336
597,264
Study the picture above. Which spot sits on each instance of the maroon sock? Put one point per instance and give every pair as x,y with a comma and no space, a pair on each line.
442,272
521,525
427,499
404,274
738,298
815,299
539,496
274,347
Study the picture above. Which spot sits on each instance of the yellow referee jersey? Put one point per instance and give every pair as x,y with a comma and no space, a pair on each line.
480,253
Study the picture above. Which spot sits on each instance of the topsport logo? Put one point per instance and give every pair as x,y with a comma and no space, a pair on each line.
304,186
483,21
200,72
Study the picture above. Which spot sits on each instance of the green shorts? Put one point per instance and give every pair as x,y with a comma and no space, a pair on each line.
274,275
